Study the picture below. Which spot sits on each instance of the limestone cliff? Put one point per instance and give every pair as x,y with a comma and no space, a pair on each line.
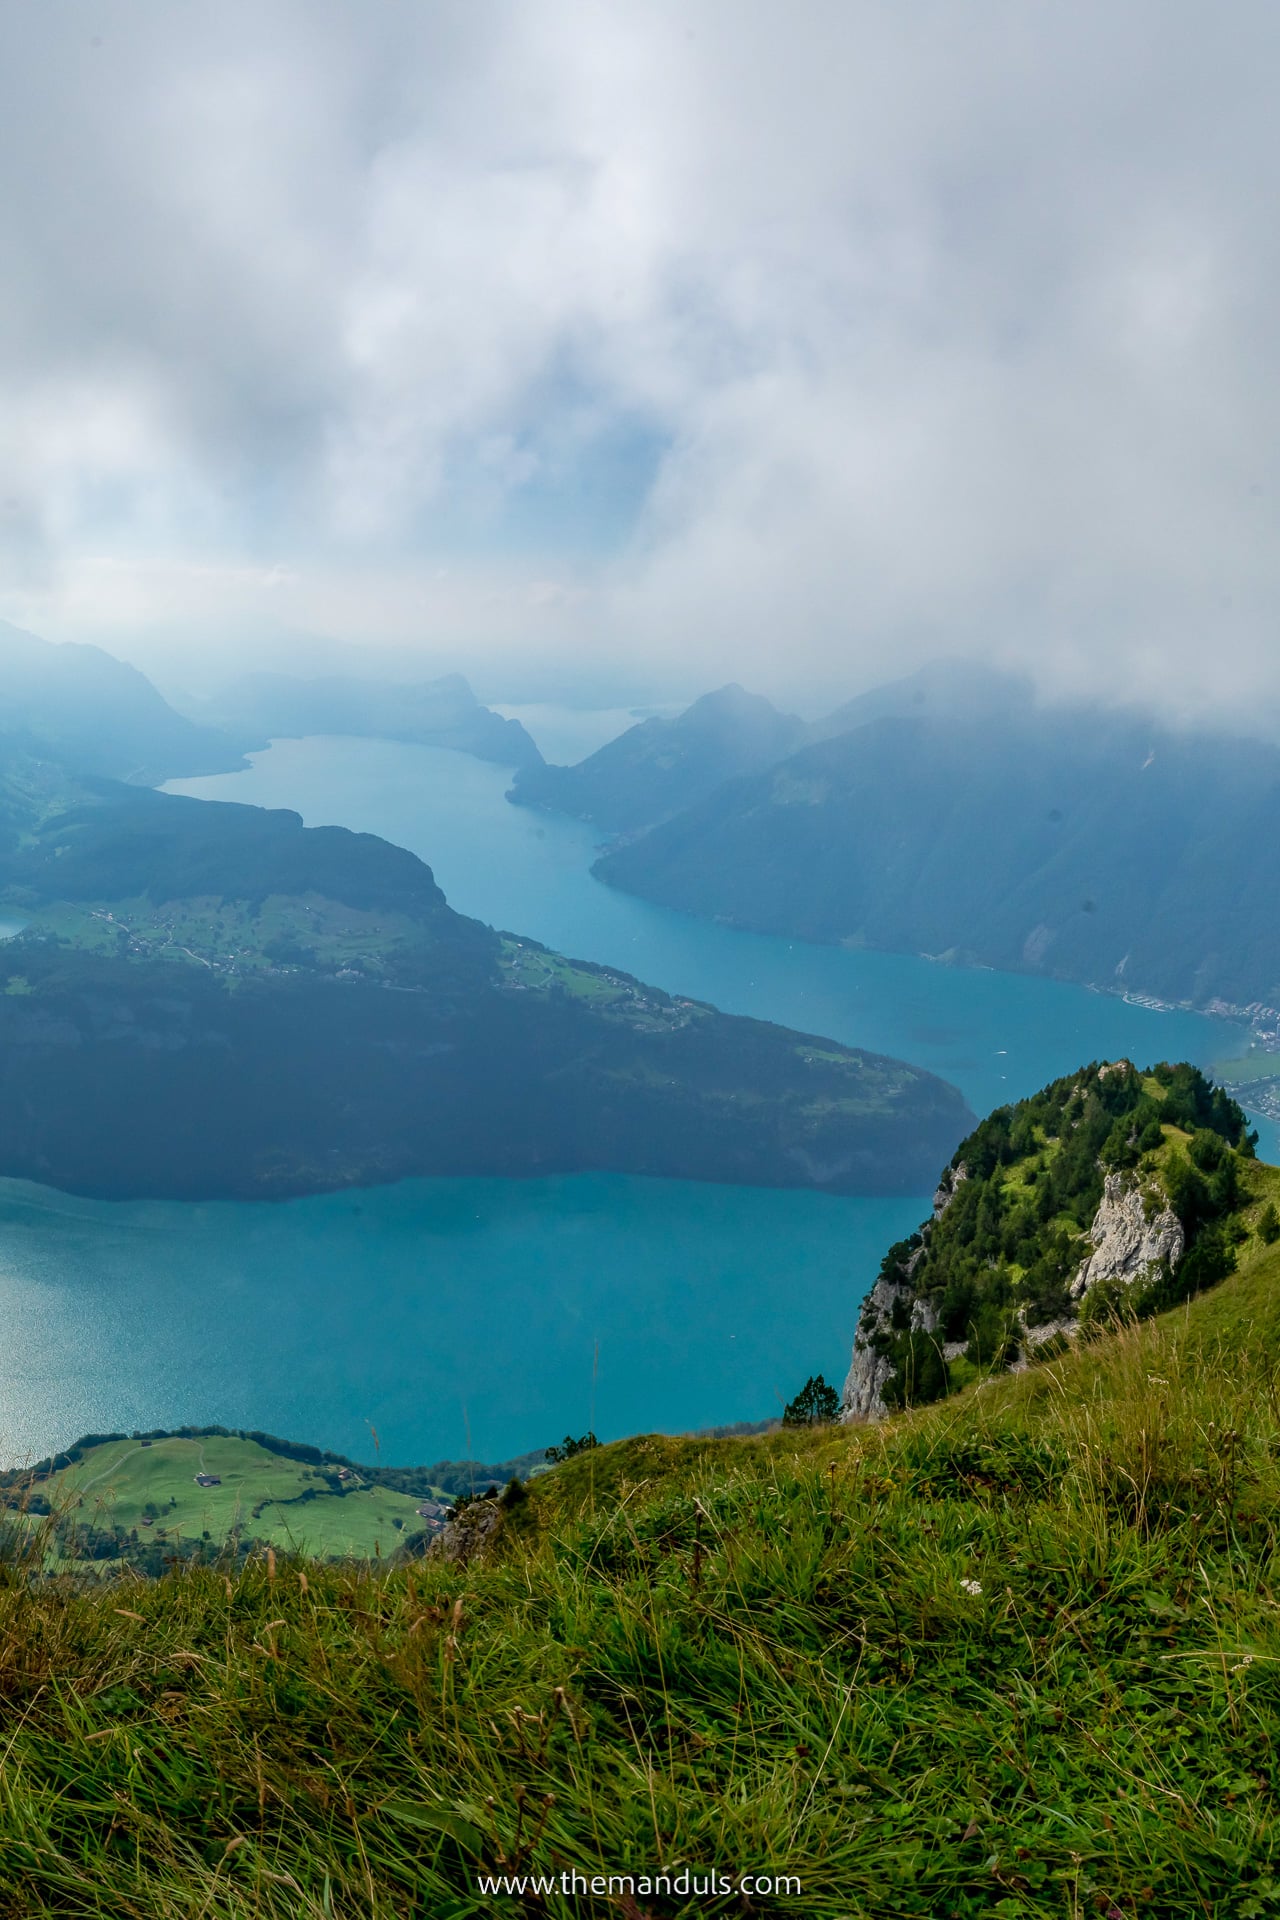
1135,1233
1111,1183
871,1366
892,1300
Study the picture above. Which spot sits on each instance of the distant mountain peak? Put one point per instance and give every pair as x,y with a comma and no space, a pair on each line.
947,686
660,766
732,702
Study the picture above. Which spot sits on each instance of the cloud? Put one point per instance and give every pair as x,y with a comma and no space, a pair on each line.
796,346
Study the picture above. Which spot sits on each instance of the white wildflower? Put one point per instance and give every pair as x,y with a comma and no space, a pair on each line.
972,1587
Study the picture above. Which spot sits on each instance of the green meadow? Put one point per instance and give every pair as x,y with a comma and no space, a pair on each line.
233,936
148,1491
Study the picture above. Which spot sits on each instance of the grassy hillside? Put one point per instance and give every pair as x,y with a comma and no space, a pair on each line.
1016,1653
128,1497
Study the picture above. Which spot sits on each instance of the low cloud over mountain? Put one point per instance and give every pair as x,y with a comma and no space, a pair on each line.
678,346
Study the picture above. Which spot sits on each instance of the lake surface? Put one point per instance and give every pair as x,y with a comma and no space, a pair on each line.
504,1310
512,1310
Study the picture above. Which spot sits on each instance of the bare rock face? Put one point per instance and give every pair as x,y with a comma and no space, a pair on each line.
469,1536
868,1371
863,1396
1127,1245
947,1188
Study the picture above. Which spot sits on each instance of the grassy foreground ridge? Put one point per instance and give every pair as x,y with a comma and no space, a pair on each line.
1015,1653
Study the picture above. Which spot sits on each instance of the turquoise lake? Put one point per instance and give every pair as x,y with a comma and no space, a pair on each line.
491,1316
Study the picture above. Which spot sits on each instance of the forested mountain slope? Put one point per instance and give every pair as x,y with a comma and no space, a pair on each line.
212,999
1090,846
659,766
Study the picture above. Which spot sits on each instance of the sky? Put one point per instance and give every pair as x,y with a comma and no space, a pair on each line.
628,348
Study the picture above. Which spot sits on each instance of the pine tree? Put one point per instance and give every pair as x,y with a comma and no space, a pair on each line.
816,1405
568,1448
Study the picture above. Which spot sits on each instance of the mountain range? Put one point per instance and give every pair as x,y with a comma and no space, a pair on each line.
1096,847
260,707
946,813
661,765
950,814
95,714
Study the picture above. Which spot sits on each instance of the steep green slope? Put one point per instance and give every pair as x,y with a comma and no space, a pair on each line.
1090,846
278,1009
1111,1189
1014,1654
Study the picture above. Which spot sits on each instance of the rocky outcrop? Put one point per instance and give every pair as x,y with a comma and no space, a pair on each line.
1054,1212
870,1369
863,1396
469,1536
1031,1339
1135,1233
946,1192
1132,1239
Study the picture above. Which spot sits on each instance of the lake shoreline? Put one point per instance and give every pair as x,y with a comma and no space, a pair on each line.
430,1308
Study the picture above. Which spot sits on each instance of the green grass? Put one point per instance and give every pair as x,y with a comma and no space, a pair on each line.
233,936
269,1500
537,969
1016,1654
532,969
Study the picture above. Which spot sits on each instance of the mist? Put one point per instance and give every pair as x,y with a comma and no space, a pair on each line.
615,352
